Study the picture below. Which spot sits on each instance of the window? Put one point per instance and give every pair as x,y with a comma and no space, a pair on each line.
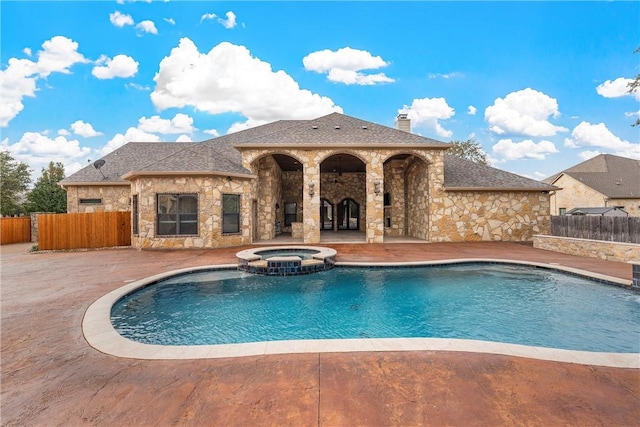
230,213
134,214
290,213
90,201
177,214
562,211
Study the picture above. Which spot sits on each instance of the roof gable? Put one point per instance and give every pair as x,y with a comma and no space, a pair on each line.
613,176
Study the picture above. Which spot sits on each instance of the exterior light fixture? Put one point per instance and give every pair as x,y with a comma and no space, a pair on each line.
376,185
311,188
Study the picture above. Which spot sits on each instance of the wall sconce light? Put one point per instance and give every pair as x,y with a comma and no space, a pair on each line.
311,190
376,186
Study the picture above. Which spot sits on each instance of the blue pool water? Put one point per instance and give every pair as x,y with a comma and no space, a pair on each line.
500,303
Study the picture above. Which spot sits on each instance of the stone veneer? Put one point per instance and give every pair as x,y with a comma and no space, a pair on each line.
601,249
466,216
209,190
114,198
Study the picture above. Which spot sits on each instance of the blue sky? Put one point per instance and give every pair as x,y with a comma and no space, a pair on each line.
541,86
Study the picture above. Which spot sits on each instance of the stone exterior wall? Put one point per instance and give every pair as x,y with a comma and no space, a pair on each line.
630,206
114,198
209,190
575,194
610,251
417,197
269,193
487,215
394,185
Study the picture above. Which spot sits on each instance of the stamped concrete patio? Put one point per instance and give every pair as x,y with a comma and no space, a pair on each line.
51,376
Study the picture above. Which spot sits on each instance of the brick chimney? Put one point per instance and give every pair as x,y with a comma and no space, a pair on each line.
403,122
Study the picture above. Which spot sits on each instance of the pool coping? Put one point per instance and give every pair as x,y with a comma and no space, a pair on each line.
101,335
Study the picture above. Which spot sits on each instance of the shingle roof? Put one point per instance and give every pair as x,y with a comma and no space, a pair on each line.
219,154
131,156
332,129
614,176
593,211
462,174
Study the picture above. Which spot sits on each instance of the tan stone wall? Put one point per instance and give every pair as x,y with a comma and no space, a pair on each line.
114,198
504,216
269,193
394,184
417,207
630,206
610,251
574,194
209,190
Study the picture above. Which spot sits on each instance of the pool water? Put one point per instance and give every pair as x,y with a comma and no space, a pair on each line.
501,303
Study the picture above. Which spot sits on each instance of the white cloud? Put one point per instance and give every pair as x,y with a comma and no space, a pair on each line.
27,51
471,110
527,149
427,112
37,150
446,76
617,88
228,79
63,132
20,77
170,21
181,123
345,66
633,114
131,135
184,138
588,154
147,27
208,16
137,86
524,112
228,23
212,132
120,19
120,66
84,129
590,135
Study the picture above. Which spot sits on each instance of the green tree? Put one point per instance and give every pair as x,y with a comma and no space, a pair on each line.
470,150
634,86
47,195
15,178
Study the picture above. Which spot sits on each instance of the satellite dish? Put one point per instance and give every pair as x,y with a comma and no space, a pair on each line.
98,164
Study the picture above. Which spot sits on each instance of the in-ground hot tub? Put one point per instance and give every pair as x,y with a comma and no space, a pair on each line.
286,260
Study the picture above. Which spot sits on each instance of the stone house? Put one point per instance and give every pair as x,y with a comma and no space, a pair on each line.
309,178
602,181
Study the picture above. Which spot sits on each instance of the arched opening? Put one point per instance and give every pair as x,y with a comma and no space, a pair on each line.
326,214
342,177
348,215
406,196
277,208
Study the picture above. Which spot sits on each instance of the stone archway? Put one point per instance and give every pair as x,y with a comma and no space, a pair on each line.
343,177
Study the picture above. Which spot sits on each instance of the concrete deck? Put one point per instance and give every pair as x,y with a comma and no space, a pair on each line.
51,376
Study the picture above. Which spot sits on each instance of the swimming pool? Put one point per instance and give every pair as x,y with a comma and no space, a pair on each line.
499,303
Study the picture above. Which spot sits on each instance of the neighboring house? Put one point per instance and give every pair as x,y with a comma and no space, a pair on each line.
602,181
597,212
305,177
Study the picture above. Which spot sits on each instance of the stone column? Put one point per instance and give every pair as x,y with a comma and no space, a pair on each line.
375,201
311,202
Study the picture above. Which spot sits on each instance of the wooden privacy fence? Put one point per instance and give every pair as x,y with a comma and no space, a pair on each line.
608,228
84,230
15,230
